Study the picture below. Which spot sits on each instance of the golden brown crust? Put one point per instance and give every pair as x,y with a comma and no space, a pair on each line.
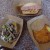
42,36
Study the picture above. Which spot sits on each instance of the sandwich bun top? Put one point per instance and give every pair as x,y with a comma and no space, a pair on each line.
30,6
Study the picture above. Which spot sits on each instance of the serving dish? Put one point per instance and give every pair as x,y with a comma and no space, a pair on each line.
8,26
27,8
38,24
